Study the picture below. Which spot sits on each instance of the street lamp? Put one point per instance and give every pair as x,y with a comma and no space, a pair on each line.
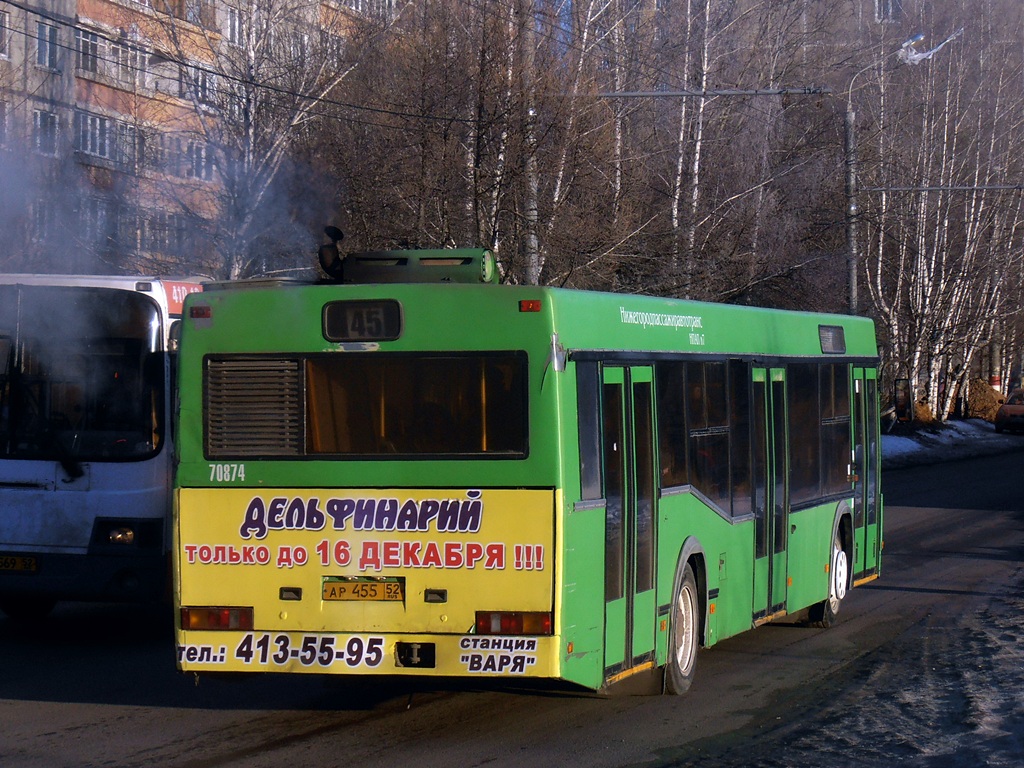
909,55
852,207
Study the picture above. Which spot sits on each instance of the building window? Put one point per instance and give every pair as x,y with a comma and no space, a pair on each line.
96,219
5,35
381,9
155,232
93,133
44,133
200,12
129,64
196,82
87,51
234,26
888,10
333,45
129,238
234,105
198,161
128,143
42,220
166,233
164,153
175,156
46,45
299,46
156,154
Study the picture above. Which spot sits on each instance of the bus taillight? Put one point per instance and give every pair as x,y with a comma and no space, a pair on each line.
216,618
513,623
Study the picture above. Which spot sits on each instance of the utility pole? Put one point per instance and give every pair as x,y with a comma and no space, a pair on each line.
908,55
852,208
531,217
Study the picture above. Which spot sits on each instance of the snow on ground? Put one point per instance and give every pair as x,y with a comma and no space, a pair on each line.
955,439
945,694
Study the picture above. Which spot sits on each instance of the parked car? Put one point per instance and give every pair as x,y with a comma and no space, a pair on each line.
1011,413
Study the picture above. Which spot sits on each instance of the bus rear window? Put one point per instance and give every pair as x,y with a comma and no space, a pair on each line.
416,405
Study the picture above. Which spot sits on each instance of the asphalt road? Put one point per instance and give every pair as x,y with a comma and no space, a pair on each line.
96,685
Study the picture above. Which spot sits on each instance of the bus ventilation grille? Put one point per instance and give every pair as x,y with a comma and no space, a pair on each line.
253,408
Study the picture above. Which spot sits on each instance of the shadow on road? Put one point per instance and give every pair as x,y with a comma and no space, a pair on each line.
124,655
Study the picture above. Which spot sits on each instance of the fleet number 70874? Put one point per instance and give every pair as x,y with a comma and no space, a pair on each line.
227,473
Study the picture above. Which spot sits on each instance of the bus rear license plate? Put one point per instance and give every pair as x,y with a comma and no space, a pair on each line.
19,563
363,590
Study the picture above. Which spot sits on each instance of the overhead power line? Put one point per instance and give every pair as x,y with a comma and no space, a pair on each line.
810,90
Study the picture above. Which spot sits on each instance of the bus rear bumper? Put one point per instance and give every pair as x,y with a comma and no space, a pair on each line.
368,654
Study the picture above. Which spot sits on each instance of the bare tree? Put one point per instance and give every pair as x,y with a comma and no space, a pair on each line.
254,73
945,218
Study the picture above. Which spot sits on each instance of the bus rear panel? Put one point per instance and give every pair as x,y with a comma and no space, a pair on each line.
371,504
444,581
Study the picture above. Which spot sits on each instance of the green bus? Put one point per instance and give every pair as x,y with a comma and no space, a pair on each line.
417,472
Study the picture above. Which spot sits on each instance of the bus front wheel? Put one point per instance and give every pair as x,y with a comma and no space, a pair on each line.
684,634
824,614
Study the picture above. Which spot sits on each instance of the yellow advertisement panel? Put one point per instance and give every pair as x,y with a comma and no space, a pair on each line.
368,580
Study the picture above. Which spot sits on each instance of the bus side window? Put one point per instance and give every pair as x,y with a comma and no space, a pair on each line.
739,437
587,403
804,432
707,420
835,428
671,387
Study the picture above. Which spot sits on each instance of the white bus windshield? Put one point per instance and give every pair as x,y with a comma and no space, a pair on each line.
81,375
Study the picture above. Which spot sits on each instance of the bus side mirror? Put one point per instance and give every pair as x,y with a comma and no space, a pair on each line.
174,336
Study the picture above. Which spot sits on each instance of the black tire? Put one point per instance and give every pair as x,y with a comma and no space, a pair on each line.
27,608
684,634
826,613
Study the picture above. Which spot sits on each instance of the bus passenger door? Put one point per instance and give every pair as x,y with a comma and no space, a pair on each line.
867,518
771,492
627,406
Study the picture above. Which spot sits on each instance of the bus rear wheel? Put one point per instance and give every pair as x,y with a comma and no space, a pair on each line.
684,634
825,613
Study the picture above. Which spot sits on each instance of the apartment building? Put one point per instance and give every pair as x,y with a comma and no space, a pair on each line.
115,122
103,165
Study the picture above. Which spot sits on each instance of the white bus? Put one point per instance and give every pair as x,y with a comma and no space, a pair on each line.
86,407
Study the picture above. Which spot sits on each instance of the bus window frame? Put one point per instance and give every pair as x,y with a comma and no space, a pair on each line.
305,453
